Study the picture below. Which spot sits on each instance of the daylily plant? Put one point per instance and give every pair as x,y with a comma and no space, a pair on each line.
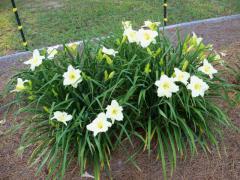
86,103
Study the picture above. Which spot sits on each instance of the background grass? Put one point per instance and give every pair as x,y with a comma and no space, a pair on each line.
50,22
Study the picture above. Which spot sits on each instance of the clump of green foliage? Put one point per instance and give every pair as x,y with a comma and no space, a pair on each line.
154,101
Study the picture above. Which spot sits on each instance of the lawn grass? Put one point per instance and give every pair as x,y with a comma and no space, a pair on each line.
50,22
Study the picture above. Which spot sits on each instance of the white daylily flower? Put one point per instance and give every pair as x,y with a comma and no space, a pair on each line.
35,61
51,52
20,85
207,68
127,24
100,124
197,39
114,111
151,25
166,86
111,52
197,86
72,77
181,76
62,117
73,45
129,32
146,37
131,35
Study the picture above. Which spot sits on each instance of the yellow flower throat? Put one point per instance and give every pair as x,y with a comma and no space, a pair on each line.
114,111
166,85
100,125
146,36
72,76
197,87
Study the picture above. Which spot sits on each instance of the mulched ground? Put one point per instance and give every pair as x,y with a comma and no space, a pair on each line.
225,37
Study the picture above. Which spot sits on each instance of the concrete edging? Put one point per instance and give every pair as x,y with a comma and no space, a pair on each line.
27,54
204,21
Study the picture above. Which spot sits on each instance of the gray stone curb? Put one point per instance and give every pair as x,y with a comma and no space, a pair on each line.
204,21
27,54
